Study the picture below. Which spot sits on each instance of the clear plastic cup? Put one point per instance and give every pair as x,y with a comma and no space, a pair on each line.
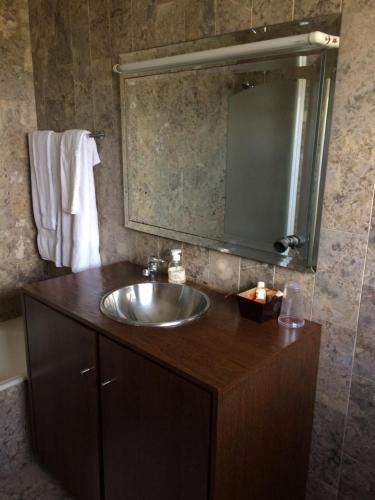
292,314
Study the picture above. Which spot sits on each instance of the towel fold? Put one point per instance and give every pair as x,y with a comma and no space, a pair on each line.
72,147
41,151
80,230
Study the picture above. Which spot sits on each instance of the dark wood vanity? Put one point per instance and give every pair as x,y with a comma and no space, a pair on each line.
220,409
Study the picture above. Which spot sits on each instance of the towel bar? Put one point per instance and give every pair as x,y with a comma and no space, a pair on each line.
97,135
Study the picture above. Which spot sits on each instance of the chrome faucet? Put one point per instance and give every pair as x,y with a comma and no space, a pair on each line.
152,267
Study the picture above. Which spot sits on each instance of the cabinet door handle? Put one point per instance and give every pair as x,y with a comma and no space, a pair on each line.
108,381
87,370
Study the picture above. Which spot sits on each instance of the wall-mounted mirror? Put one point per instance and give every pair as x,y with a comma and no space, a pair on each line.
231,156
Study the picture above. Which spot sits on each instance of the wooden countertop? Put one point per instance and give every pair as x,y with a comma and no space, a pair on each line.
217,351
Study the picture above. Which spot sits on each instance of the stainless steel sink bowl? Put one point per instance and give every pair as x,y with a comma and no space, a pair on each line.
155,304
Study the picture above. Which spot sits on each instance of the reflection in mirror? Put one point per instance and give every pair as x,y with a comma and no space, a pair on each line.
231,157
267,124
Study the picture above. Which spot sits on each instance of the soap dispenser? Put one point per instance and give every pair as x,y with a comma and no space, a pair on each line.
176,271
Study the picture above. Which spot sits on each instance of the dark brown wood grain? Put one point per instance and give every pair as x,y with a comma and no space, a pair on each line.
217,351
265,429
65,403
156,430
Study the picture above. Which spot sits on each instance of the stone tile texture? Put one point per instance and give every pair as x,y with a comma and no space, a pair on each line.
370,257
14,432
339,277
319,490
199,18
21,478
252,271
272,12
227,22
224,272
357,482
350,180
364,362
19,260
196,262
30,482
360,432
310,8
335,366
326,444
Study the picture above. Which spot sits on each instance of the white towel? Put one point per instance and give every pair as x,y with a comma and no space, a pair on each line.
79,227
55,161
73,145
40,158
44,183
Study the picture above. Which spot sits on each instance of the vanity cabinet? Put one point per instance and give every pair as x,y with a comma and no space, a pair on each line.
220,409
156,429
62,363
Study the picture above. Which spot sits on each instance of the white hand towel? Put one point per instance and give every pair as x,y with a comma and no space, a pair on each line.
71,169
44,189
55,161
80,230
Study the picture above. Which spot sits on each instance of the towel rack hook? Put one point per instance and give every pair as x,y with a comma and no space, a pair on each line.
97,135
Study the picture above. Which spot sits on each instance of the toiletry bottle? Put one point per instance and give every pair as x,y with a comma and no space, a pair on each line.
260,292
176,271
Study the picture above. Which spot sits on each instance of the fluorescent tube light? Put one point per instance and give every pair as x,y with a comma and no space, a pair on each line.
296,43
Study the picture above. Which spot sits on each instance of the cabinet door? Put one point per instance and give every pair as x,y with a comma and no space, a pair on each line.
156,430
62,370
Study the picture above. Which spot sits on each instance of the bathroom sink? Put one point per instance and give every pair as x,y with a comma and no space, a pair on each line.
155,304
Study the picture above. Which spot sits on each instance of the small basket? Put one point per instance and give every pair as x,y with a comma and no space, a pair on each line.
256,310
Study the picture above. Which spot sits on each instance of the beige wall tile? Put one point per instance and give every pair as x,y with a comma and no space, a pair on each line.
364,362
199,18
369,278
100,36
317,489
224,272
272,11
252,271
17,117
306,280
143,246
357,481
350,180
196,261
157,22
121,26
335,366
360,432
313,8
354,104
338,281
326,445
233,15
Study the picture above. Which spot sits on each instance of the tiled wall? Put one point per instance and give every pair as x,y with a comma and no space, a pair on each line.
18,257
14,432
75,44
